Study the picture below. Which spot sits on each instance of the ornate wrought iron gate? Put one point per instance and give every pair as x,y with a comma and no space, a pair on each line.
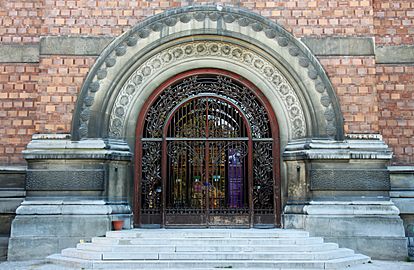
208,156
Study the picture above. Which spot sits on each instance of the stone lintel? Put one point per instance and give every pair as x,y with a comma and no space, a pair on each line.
19,53
401,169
402,54
12,192
12,169
72,209
405,205
60,147
331,149
93,46
340,46
73,45
349,207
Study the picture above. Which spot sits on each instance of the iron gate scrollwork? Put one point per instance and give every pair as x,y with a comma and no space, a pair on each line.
151,179
214,137
263,176
217,85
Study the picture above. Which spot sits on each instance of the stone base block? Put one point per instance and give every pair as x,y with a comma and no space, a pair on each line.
42,228
371,228
381,248
32,248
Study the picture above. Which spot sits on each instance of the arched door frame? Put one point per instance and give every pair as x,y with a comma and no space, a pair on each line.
140,129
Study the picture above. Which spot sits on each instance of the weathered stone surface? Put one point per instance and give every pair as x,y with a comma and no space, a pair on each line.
29,248
402,178
62,223
63,207
70,179
5,224
353,224
348,179
406,205
381,248
64,45
9,205
17,53
12,192
62,148
12,177
4,242
402,54
340,46
331,149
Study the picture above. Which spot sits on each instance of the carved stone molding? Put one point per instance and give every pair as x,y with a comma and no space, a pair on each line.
86,179
223,21
199,50
349,179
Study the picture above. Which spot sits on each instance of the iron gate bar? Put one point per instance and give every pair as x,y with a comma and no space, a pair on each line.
228,79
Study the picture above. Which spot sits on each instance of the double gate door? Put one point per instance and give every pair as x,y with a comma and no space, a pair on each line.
207,156
207,183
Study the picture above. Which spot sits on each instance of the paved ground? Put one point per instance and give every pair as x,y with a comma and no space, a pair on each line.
43,265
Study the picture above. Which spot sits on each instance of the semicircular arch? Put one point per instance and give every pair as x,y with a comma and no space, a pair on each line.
287,73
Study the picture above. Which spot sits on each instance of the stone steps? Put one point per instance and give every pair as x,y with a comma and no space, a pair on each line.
212,241
146,255
207,249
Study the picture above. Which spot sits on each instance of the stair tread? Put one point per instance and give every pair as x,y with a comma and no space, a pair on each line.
169,251
221,252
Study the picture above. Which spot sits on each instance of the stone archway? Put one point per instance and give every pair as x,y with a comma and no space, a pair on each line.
133,66
207,36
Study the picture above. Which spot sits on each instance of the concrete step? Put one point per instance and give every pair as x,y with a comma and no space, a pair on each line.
214,233
207,264
151,255
208,241
209,248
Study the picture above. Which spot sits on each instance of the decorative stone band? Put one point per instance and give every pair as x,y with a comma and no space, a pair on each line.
55,206
208,50
17,53
331,149
69,179
210,20
349,179
357,207
59,146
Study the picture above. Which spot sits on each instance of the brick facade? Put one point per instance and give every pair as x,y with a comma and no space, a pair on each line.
40,97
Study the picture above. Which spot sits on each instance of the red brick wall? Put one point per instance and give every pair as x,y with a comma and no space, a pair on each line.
369,103
303,18
20,21
18,95
61,78
394,25
354,81
396,99
394,22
